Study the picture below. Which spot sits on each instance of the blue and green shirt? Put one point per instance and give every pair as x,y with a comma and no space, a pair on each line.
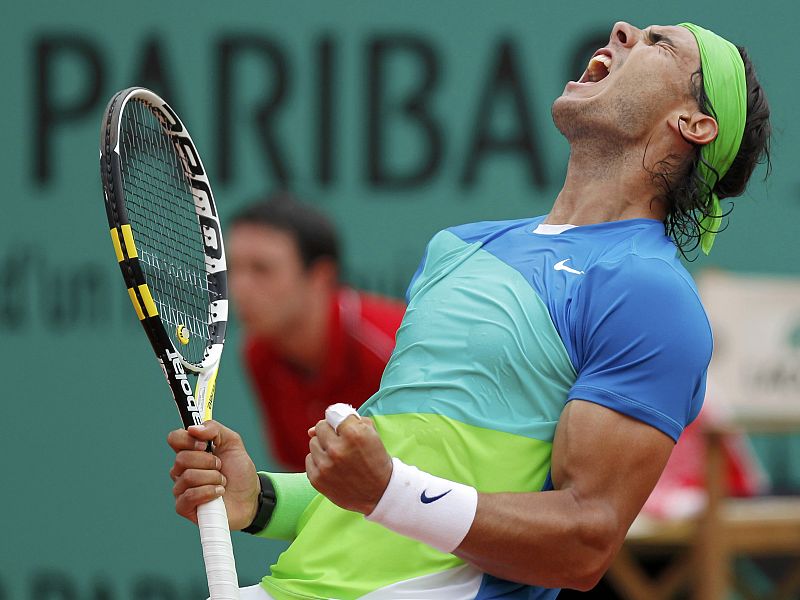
506,323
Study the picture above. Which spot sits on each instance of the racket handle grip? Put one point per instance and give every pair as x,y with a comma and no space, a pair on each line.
215,537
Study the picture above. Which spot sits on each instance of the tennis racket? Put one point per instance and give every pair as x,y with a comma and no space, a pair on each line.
167,238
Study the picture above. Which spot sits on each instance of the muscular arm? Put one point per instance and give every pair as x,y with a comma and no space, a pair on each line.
604,466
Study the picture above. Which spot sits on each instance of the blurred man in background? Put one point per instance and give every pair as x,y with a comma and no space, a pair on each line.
309,340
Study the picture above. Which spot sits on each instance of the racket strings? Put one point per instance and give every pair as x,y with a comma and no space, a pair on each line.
174,269
160,205
172,206
175,264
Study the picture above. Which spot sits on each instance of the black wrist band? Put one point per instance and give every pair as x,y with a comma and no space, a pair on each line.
266,504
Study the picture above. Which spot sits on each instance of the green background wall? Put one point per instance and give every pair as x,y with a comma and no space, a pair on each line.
316,97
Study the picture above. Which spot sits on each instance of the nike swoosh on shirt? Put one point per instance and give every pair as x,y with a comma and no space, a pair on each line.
560,266
428,499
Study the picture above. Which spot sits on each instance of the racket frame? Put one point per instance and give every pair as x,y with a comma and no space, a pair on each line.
194,406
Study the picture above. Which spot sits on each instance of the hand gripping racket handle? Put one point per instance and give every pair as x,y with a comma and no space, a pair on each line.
218,551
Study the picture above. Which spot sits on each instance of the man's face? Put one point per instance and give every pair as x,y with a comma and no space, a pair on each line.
269,284
639,79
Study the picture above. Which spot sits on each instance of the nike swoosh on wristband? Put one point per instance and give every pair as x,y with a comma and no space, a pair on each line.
560,266
427,499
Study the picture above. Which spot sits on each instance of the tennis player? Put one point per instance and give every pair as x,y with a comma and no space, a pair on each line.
544,367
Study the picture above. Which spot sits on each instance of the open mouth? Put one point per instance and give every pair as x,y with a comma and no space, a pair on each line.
598,68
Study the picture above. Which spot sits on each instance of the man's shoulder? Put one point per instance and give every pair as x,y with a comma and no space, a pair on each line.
258,353
370,322
484,230
650,286
452,241
362,307
644,262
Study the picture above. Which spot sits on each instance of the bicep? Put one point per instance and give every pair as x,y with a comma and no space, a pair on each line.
610,462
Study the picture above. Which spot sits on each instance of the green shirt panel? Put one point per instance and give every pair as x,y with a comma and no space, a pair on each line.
340,554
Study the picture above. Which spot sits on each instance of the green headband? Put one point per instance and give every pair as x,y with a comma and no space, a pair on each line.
726,88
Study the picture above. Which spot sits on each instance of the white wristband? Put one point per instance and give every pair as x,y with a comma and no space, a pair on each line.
427,508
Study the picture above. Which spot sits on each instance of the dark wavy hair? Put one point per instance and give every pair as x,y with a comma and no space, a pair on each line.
686,192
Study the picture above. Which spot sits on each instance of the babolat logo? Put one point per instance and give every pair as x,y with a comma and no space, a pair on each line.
186,387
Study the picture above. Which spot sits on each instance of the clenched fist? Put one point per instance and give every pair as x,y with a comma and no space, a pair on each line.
351,468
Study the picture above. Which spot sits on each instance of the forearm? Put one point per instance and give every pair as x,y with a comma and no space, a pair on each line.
551,539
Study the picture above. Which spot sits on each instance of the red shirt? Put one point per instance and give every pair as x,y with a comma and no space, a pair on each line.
360,341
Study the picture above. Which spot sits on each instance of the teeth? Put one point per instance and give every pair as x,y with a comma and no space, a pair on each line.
599,67
602,59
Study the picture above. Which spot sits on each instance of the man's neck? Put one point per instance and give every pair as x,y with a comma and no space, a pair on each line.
605,184
305,344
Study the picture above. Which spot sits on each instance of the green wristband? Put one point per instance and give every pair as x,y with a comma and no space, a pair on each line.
293,493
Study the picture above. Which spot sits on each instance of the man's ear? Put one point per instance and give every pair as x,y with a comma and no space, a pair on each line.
324,272
698,128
